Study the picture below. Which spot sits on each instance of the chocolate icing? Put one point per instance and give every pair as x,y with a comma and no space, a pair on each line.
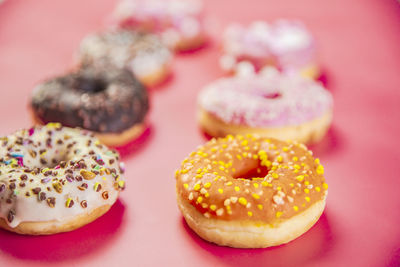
97,99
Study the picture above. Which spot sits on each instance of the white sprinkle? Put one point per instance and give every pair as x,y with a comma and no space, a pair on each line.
220,212
227,202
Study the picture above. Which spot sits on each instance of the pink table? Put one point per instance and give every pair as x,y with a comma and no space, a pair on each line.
359,45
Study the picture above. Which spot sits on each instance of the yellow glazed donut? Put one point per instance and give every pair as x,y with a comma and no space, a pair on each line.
251,192
55,179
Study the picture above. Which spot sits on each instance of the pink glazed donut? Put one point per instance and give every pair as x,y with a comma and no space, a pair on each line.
269,104
179,22
287,45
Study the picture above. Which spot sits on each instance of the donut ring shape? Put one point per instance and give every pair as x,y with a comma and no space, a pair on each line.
269,103
178,22
285,44
55,179
250,192
142,53
106,100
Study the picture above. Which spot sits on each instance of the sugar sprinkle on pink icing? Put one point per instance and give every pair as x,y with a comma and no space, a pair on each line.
174,20
267,99
287,44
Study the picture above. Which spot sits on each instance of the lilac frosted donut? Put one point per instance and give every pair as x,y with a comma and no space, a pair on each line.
269,104
287,45
179,22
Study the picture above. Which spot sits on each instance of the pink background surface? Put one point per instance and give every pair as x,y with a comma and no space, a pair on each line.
359,49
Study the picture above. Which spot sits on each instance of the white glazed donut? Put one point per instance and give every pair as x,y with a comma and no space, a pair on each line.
285,44
269,104
55,179
178,22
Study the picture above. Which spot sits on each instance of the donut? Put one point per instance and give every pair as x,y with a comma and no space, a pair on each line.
178,22
107,101
142,53
270,104
251,192
285,44
55,179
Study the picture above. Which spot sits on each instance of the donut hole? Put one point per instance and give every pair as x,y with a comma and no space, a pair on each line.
90,85
249,170
274,95
52,163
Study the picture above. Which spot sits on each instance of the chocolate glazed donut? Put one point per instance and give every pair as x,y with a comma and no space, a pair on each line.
103,100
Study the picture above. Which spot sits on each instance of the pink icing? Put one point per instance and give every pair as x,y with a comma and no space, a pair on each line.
288,44
268,99
174,20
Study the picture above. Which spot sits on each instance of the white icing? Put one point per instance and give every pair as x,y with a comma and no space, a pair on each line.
30,208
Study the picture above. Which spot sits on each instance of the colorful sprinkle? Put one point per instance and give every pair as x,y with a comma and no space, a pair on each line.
84,204
69,203
320,169
87,175
97,187
58,187
51,201
243,201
